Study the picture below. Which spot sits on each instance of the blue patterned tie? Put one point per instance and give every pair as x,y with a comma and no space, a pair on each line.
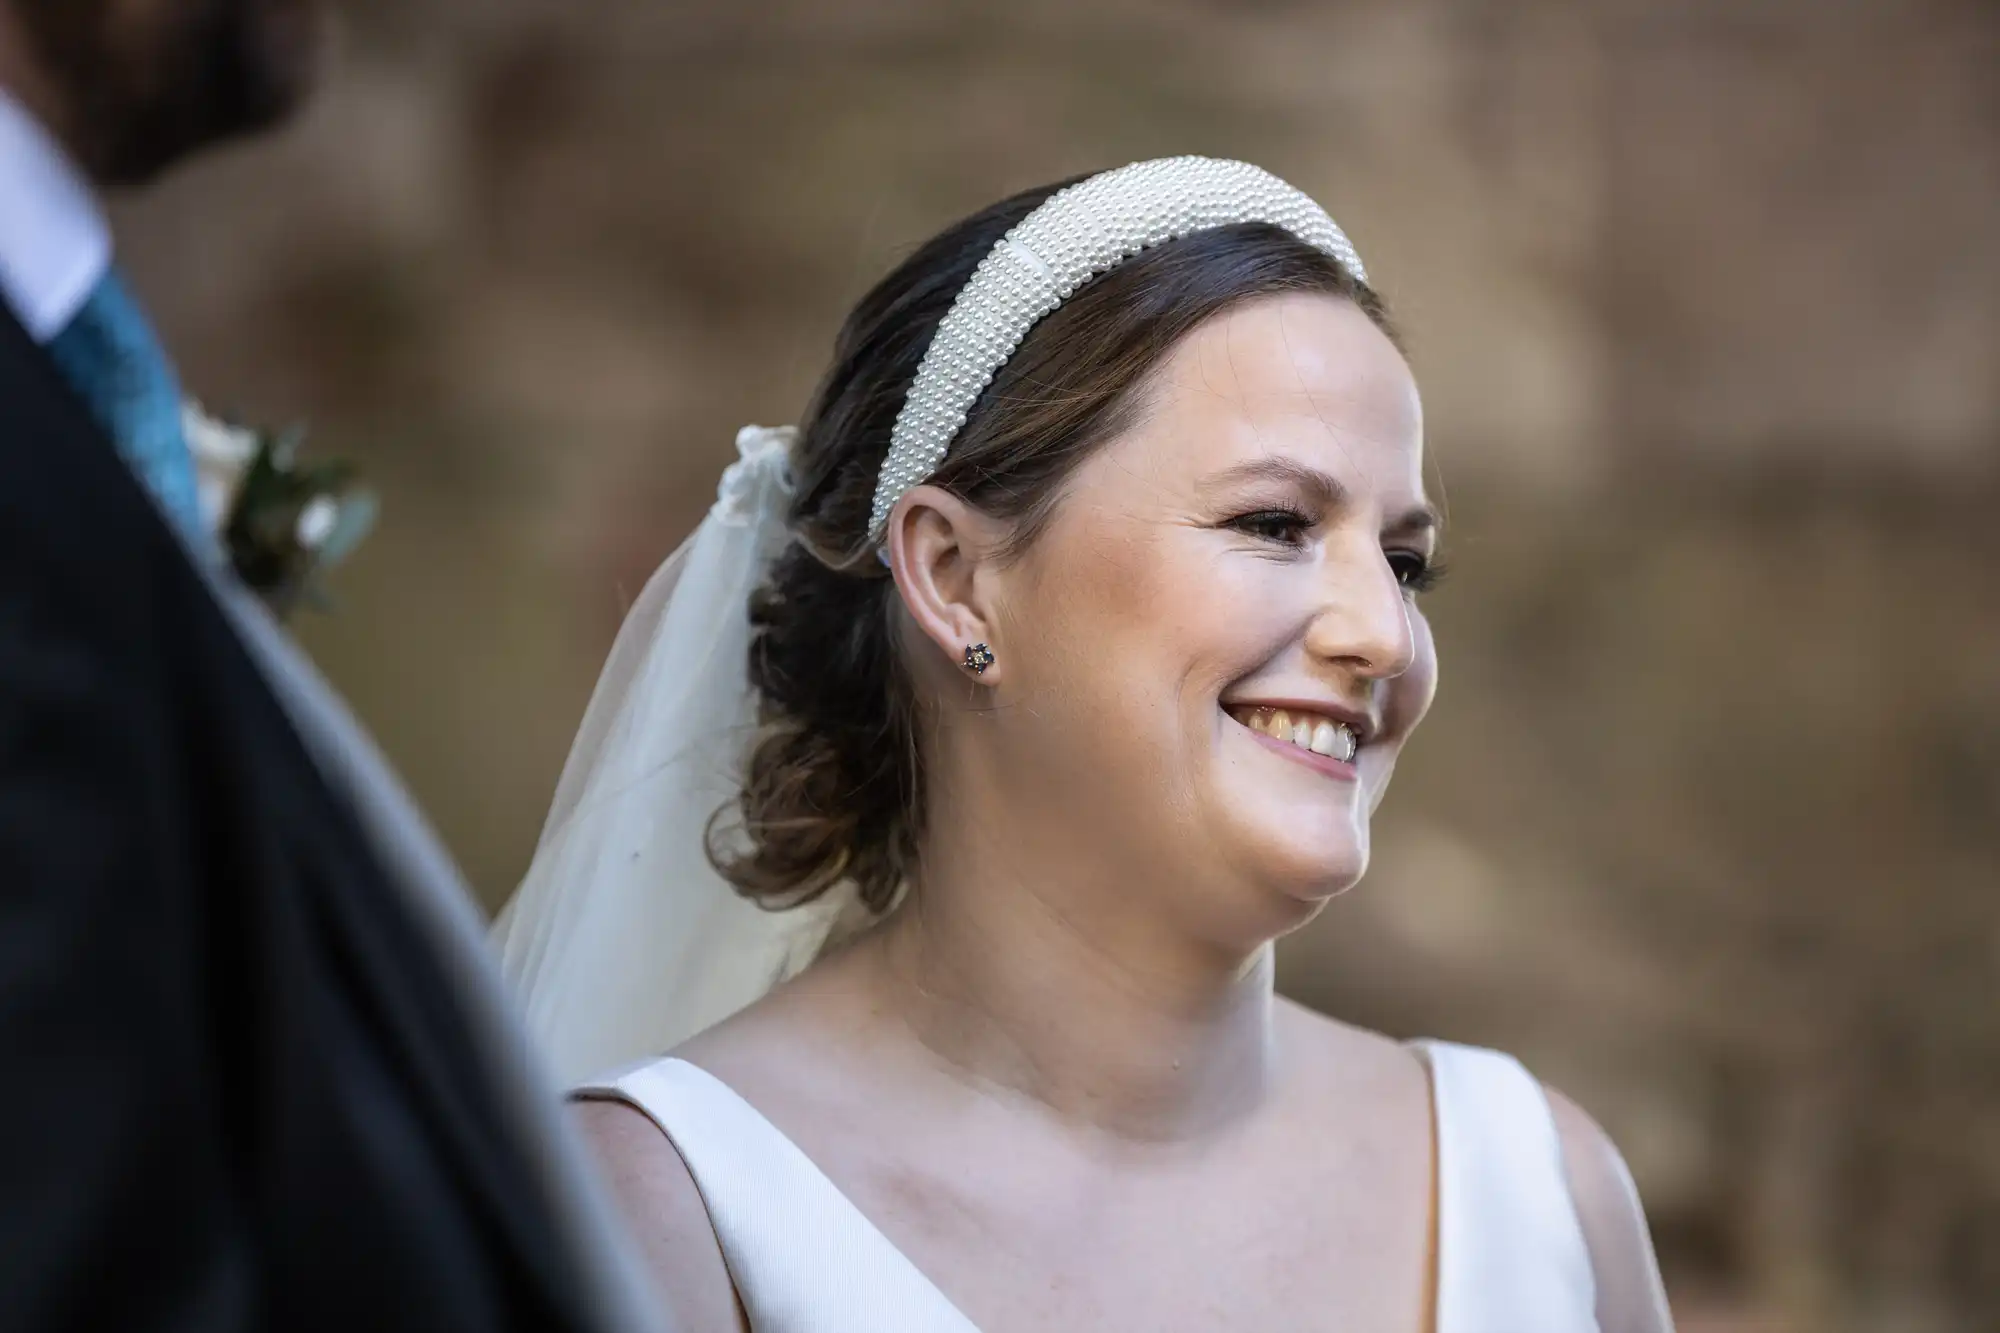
110,356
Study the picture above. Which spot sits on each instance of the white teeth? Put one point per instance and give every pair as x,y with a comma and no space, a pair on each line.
1336,740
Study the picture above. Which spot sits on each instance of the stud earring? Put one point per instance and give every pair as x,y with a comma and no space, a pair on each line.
977,658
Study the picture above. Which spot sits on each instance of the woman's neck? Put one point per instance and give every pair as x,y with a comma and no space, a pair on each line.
1028,976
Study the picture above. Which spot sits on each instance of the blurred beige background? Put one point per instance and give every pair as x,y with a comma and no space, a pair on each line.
1706,299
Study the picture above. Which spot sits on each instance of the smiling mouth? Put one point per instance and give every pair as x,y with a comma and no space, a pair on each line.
1323,736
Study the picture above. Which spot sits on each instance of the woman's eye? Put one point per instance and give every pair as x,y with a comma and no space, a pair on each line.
1278,525
1416,571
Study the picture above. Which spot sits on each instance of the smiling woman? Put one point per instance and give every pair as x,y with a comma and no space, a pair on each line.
1228,549
1066,440
1090,641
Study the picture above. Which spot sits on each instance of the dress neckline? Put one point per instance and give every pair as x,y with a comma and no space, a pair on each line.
830,1194
833,1196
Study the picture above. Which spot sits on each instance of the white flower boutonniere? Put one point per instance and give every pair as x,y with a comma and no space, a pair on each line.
283,523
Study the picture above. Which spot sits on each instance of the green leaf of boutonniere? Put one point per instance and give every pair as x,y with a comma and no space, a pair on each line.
283,522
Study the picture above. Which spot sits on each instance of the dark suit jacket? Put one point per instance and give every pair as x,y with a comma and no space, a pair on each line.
236,1085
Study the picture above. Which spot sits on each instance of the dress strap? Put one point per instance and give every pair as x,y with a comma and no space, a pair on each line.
1511,1252
802,1256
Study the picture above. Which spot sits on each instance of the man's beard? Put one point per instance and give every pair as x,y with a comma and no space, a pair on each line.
143,85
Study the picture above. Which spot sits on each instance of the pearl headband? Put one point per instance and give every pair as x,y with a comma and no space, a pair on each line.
1077,234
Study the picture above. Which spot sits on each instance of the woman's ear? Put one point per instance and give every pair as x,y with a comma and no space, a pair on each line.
942,552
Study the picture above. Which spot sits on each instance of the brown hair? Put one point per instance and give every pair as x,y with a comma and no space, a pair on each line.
834,790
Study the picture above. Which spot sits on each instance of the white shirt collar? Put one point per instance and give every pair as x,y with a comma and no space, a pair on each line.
54,243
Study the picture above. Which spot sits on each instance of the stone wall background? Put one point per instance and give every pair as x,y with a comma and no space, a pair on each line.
1705,297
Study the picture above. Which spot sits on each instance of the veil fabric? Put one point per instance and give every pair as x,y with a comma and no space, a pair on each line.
623,940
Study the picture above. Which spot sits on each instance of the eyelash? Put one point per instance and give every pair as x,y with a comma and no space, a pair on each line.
1262,523
1416,572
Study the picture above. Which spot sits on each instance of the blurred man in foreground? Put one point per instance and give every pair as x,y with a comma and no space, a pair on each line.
257,1074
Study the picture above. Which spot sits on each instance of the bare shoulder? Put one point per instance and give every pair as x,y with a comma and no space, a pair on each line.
664,1208
1630,1295
1388,1065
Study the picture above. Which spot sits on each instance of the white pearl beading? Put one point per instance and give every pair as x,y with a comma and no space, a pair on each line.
1075,235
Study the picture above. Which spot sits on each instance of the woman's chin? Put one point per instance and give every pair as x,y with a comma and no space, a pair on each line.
1299,881
1313,856
1316,890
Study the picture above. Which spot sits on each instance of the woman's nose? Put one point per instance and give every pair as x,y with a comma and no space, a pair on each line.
1364,622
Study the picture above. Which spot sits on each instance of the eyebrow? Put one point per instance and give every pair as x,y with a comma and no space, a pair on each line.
1324,488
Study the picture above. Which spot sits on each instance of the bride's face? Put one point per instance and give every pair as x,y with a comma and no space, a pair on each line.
1215,650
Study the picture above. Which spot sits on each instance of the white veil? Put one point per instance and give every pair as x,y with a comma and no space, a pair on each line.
623,940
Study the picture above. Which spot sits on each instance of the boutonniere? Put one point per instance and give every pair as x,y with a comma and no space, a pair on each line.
283,522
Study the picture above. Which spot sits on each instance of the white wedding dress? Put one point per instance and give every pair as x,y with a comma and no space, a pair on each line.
1511,1253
